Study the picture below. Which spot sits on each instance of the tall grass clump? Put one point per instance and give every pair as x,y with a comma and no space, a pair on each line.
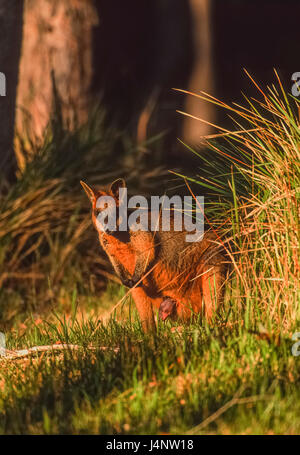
252,181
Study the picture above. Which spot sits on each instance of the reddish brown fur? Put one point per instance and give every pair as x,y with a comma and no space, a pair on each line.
196,278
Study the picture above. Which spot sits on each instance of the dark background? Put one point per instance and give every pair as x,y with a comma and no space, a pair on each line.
150,44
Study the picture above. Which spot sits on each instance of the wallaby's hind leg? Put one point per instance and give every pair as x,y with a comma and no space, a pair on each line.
212,290
144,305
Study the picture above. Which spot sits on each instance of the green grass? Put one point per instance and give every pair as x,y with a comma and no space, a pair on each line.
167,384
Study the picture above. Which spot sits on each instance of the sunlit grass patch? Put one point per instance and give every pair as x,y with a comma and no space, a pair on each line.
167,384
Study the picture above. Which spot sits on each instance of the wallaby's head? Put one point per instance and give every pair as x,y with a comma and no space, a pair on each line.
105,199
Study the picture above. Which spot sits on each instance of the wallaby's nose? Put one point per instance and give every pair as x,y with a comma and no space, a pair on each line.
163,315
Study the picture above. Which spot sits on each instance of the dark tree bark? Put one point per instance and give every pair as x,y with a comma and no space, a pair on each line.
11,20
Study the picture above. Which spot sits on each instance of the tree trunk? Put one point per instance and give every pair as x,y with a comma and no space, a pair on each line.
11,16
58,39
202,74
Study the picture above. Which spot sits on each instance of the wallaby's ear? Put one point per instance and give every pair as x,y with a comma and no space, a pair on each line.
116,185
89,191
